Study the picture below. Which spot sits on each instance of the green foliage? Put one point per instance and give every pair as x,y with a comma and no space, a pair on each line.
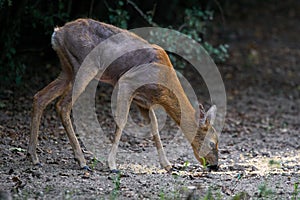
219,53
162,195
37,16
204,162
186,164
5,2
274,163
209,195
2,105
296,191
195,25
95,161
264,191
241,196
118,16
48,18
212,194
117,185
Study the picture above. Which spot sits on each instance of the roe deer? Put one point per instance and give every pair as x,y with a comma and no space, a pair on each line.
73,42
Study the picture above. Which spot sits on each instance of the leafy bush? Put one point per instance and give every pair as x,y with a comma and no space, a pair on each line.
3,2
33,17
118,16
10,67
47,18
195,25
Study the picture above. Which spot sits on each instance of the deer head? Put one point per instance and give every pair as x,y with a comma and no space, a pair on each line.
205,143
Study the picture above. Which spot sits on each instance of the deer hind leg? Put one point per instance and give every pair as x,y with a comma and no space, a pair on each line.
156,137
124,99
83,77
64,107
145,114
40,102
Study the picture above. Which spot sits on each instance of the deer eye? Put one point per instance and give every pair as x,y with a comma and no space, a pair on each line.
212,145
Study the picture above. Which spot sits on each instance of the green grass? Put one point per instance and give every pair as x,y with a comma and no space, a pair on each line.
117,185
264,191
274,162
296,191
95,161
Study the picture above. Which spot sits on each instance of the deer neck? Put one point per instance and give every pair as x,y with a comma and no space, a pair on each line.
183,113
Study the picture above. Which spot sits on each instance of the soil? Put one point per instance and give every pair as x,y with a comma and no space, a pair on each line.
259,145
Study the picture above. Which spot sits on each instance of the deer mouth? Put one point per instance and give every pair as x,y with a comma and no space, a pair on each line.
213,167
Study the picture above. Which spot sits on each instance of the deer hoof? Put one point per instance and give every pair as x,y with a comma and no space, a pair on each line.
115,171
87,168
169,168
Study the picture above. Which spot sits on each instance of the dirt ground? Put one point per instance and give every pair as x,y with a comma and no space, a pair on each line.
259,145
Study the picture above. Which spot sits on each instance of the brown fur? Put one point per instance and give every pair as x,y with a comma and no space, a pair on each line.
73,42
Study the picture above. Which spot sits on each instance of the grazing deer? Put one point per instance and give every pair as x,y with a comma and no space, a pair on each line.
74,42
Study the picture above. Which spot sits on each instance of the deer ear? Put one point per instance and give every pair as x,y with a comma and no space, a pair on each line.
210,116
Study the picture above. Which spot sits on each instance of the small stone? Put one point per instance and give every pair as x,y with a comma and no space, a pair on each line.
175,173
253,168
48,179
86,175
64,174
143,182
226,190
40,193
265,154
191,187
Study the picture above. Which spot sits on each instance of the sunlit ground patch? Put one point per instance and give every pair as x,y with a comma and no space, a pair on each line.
279,163
141,169
282,162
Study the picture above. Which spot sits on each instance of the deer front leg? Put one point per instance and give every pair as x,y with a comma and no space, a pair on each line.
156,137
113,151
40,102
64,106
124,99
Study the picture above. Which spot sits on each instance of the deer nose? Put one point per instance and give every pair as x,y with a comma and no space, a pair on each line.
213,167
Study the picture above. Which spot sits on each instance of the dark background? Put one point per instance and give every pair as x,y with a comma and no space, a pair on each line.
27,25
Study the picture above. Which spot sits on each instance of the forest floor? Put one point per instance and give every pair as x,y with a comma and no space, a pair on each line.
259,145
